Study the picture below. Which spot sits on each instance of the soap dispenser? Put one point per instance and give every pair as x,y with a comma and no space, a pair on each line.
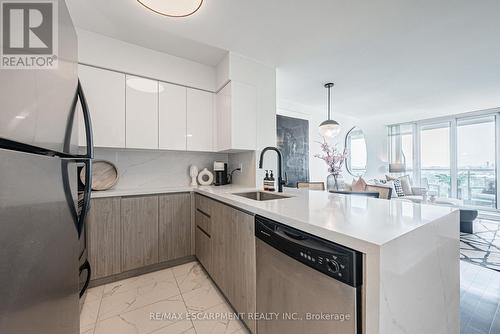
266,181
271,182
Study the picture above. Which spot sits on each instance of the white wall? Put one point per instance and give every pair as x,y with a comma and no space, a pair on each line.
222,75
98,50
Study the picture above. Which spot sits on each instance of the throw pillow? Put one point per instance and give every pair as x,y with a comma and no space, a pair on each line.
383,191
405,183
399,188
390,184
359,185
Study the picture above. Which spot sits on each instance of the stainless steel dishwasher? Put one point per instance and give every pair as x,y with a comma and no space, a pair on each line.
305,284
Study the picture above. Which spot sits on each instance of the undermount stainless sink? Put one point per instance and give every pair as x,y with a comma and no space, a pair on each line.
261,196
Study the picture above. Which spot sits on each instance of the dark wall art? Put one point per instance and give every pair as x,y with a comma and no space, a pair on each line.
293,141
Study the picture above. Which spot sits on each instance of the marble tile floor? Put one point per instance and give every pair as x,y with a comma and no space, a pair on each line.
125,307
181,299
479,299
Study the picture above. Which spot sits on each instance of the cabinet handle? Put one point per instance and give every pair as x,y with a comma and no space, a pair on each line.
203,213
203,231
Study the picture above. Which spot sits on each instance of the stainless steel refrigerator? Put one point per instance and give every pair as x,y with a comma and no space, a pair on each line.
40,221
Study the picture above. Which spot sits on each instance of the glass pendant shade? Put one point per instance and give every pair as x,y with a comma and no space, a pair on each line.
329,128
173,8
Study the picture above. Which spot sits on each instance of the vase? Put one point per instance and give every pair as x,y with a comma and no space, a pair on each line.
334,182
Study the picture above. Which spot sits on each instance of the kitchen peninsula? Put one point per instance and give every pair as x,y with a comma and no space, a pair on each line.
410,251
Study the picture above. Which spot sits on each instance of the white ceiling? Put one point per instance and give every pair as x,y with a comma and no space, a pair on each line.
403,57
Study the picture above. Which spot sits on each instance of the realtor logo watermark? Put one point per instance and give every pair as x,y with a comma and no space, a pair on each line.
29,34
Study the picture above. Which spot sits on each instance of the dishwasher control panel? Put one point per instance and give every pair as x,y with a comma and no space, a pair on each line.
334,260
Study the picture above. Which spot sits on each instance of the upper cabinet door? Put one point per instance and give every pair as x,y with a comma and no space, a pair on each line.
236,114
105,94
172,117
200,121
141,113
223,118
244,116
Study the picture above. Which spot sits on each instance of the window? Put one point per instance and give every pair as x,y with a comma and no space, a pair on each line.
476,180
401,145
435,168
452,156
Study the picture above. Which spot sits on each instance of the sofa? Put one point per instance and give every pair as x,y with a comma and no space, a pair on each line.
407,192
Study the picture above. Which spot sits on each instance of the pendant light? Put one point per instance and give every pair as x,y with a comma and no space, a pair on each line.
172,8
329,128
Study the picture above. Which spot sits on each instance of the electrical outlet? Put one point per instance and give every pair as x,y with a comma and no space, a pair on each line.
240,166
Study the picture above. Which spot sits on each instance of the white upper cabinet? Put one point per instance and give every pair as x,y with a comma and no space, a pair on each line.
105,94
200,120
223,134
141,113
236,110
172,117
129,111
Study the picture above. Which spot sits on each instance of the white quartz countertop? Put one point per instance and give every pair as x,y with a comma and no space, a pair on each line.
358,222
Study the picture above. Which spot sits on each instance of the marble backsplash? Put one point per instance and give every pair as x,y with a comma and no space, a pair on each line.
155,169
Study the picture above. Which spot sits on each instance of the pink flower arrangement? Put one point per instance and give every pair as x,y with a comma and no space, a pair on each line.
333,157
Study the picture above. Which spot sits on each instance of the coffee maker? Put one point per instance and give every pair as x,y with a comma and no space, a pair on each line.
220,171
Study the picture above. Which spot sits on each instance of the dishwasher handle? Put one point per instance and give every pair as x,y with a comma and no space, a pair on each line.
291,236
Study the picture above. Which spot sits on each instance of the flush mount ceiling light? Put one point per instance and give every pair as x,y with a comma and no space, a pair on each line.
329,128
172,8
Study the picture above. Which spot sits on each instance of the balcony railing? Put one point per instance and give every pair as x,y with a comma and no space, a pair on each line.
475,186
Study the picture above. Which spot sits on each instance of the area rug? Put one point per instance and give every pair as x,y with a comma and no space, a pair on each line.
483,246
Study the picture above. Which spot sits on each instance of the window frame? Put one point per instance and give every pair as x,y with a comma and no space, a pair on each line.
453,121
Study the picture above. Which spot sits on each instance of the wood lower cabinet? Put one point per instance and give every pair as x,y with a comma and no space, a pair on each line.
232,266
139,218
242,266
174,226
126,233
104,237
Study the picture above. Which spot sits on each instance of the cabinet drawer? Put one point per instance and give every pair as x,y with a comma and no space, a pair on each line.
204,204
203,246
203,221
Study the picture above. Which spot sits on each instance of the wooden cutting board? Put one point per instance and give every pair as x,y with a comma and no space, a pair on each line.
104,175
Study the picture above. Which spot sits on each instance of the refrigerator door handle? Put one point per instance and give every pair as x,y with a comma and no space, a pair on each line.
86,196
87,121
85,266
86,159
78,217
